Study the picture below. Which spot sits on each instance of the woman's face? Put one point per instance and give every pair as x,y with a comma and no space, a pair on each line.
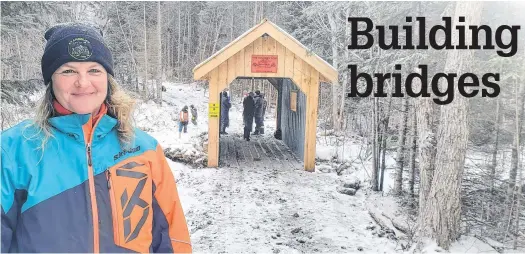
80,87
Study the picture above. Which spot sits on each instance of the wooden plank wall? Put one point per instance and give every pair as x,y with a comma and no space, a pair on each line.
279,105
288,64
293,124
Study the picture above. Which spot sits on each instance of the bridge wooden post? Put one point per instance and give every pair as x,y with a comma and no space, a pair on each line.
213,122
310,136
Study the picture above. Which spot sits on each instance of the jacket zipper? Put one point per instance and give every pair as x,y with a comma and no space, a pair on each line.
116,234
90,163
94,209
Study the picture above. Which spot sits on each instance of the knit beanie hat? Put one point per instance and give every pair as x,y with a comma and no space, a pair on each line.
74,42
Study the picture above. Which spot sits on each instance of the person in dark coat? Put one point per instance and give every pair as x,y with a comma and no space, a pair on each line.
265,104
225,112
193,114
258,114
247,113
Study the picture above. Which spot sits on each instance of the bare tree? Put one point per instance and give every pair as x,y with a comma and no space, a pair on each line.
511,190
383,149
159,55
517,144
441,217
413,153
145,84
335,62
400,159
179,43
375,154
128,44
514,161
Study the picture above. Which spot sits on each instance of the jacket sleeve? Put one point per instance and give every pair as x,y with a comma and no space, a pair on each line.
12,200
169,217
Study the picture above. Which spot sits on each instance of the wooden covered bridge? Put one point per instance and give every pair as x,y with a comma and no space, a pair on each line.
266,51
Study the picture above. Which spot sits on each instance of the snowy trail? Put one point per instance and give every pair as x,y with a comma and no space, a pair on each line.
261,206
257,209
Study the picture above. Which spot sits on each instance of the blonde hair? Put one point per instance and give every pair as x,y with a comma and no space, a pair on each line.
120,106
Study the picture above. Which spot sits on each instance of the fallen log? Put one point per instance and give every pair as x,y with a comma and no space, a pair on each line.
500,248
379,221
404,229
386,224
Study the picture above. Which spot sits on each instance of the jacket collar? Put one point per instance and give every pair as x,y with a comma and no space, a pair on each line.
72,123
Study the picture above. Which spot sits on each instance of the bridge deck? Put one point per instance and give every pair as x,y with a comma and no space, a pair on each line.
260,151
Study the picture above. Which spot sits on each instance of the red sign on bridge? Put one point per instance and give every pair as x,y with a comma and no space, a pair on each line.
264,64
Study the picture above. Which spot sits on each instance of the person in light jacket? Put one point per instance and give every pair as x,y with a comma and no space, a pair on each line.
183,120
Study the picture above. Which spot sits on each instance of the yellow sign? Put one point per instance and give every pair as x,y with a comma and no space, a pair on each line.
213,110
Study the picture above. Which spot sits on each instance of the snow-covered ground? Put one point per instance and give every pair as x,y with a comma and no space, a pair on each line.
259,209
276,210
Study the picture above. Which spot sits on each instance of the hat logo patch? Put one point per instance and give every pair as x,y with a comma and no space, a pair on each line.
80,48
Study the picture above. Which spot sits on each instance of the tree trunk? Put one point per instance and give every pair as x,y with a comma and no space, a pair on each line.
217,33
160,75
167,51
145,84
374,147
441,216
128,44
188,52
335,63
343,94
203,50
261,12
413,153
514,161
495,150
493,166
254,13
383,161
398,184
179,46
517,189
511,194
232,14
21,72
426,116
383,146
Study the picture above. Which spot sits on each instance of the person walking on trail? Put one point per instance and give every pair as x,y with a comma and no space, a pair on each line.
225,112
258,114
265,104
79,177
247,114
193,111
183,120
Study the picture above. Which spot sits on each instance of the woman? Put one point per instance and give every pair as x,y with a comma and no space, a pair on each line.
79,177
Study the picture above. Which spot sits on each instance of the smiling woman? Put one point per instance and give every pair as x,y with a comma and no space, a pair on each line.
81,87
80,177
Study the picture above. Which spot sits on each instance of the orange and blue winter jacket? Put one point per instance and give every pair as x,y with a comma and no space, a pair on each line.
85,193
